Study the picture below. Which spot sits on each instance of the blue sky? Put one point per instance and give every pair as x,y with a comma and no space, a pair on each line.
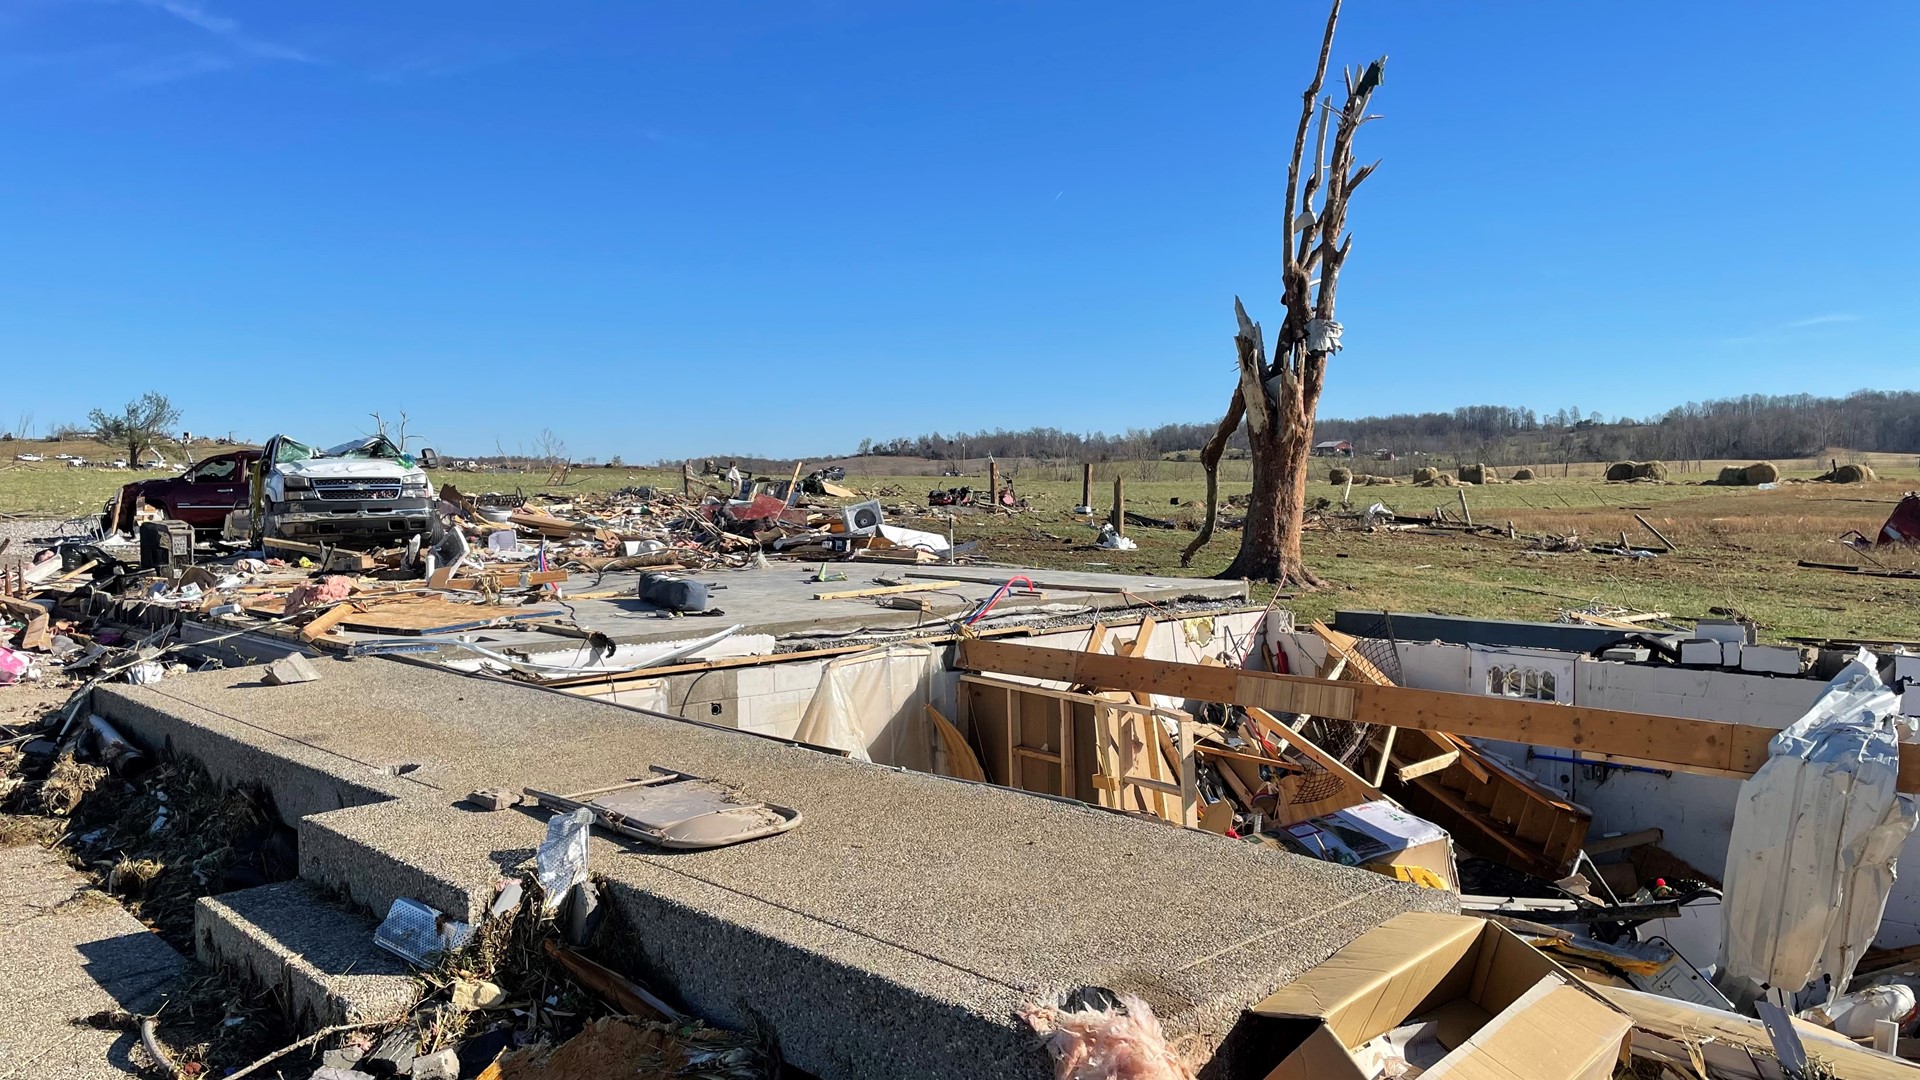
667,229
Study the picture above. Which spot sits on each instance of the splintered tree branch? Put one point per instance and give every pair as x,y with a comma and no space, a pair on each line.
1210,463
1252,350
1300,135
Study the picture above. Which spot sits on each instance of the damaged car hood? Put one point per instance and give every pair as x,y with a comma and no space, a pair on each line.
348,468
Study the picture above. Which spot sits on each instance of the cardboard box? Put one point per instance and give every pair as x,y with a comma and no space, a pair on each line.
1378,836
1502,1009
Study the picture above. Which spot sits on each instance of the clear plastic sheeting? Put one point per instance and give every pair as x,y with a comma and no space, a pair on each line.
1816,832
873,706
562,860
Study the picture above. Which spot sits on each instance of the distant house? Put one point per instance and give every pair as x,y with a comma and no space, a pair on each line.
1333,448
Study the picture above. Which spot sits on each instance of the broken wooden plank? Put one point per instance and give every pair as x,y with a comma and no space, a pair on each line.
1414,770
507,579
1320,757
334,557
320,624
34,635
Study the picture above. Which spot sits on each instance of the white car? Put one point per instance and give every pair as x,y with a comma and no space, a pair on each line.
119,463
76,462
63,457
28,457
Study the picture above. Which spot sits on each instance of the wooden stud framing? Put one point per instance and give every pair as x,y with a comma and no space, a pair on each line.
1679,743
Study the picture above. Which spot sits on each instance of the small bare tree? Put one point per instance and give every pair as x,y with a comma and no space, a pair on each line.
549,450
396,433
1278,398
138,426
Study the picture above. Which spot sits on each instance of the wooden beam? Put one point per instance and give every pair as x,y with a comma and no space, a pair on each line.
1386,756
1415,770
1677,743
1319,757
1206,750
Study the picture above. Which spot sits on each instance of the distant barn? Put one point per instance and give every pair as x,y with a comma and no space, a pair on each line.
1333,448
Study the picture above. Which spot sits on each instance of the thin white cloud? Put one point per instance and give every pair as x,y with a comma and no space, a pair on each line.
1821,320
1781,329
227,30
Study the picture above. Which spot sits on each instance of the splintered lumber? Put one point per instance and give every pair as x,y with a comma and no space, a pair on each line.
887,590
337,558
547,525
1702,746
1415,770
318,626
507,579
35,634
1318,756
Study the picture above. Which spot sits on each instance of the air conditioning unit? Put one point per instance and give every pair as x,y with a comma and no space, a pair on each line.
862,518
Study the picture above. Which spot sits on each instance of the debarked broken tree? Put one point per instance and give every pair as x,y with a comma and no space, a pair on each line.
1278,396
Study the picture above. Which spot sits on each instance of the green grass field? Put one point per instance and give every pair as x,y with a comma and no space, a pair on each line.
1736,546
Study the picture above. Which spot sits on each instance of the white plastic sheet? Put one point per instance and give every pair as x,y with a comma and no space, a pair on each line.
561,862
1815,835
873,706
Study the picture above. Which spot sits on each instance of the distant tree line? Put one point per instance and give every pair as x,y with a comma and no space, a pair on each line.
1750,426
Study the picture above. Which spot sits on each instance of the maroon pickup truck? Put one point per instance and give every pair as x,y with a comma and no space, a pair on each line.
203,496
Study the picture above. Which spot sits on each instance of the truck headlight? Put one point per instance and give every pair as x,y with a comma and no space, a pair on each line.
298,483
418,489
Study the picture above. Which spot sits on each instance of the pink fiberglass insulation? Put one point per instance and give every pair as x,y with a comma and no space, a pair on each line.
1107,1044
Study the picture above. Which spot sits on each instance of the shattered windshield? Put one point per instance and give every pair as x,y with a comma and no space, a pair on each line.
377,447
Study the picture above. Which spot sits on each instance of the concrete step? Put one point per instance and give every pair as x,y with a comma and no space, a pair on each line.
318,957
380,853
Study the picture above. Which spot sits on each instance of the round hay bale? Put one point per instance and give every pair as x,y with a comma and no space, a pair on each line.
1622,470
1760,472
1650,470
1338,475
1523,474
1852,474
1372,480
1441,479
1425,474
1732,476
1478,474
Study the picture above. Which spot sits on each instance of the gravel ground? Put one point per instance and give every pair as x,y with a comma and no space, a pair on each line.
22,530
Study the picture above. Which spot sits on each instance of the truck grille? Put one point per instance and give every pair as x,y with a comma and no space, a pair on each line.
357,489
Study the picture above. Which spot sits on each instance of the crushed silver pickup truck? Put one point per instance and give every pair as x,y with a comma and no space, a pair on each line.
367,489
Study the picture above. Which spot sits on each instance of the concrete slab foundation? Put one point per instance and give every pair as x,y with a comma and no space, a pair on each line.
85,954
895,932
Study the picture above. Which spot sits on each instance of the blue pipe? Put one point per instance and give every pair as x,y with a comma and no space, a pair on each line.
1534,756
